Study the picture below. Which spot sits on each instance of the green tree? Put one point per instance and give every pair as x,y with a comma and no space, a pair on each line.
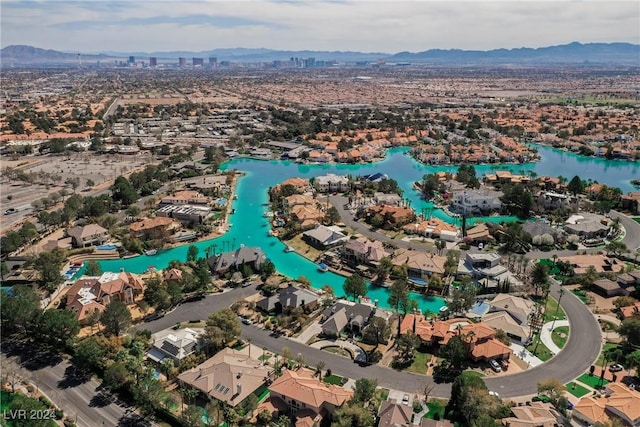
353,415
19,310
49,265
454,355
355,286
267,269
576,186
383,269
552,388
20,402
630,329
406,346
539,276
364,390
222,327
633,360
89,355
123,192
191,416
377,332
117,376
4,270
332,216
93,268
470,403
617,248
116,317
58,328
192,253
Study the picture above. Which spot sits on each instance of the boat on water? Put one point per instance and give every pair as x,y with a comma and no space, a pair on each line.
322,267
151,252
289,249
268,214
235,197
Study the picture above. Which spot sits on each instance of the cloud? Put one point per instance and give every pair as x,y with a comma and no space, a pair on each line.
364,25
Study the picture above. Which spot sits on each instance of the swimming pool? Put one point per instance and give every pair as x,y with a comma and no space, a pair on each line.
107,247
480,308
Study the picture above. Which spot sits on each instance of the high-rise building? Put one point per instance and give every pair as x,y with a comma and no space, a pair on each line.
182,62
197,62
132,60
153,61
213,62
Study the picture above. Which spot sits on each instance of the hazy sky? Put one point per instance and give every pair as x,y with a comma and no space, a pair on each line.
360,25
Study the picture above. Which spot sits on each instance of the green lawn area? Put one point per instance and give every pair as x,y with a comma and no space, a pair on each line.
264,357
419,365
553,310
560,335
580,294
576,389
382,394
334,379
542,351
436,406
592,381
636,219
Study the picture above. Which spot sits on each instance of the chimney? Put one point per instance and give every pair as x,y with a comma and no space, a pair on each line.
200,373
239,392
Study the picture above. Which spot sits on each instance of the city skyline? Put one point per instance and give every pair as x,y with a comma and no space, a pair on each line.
364,26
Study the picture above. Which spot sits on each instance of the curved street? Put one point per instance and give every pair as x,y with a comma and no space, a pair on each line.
580,351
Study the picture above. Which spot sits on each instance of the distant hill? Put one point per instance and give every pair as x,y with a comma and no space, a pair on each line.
609,53
26,55
573,53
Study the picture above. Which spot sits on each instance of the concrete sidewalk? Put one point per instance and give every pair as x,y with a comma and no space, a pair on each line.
524,354
545,335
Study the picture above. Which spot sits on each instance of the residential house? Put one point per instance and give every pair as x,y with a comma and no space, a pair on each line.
631,202
364,251
87,235
300,184
188,215
419,264
210,184
153,228
601,263
174,344
295,200
479,234
346,315
394,414
306,396
537,414
609,288
331,183
324,237
434,228
481,201
479,338
387,199
520,309
234,260
587,226
630,311
289,299
230,377
484,264
394,216
540,228
186,197
618,402
172,275
550,201
501,320
89,294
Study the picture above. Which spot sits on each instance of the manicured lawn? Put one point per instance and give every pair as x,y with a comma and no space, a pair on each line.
576,389
435,406
382,394
592,381
334,379
552,310
542,351
636,219
264,357
560,336
419,365
581,295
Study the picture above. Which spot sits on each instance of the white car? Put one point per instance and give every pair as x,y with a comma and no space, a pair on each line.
495,365
247,321
494,394
405,399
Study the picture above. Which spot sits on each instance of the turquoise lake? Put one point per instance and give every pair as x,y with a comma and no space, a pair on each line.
250,227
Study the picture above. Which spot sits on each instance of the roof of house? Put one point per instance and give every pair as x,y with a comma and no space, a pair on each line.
176,343
435,423
242,255
325,235
502,320
394,414
480,231
302,386
172,274
337,322
80,232
521,306
537,414
606,284
229,376
291,296
421,261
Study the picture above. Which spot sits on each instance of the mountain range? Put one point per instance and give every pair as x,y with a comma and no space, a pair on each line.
572,53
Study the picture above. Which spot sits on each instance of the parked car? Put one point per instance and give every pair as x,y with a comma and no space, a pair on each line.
494,394
247,321
495,365
504,364
405,399
616,368
10,211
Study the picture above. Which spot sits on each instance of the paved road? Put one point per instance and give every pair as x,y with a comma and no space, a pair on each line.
80,399
579,353
632,238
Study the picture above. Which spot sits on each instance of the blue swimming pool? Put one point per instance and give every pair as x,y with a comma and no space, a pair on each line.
480,308
107,247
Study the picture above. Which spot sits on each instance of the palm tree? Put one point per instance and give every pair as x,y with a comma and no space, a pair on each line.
319,368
